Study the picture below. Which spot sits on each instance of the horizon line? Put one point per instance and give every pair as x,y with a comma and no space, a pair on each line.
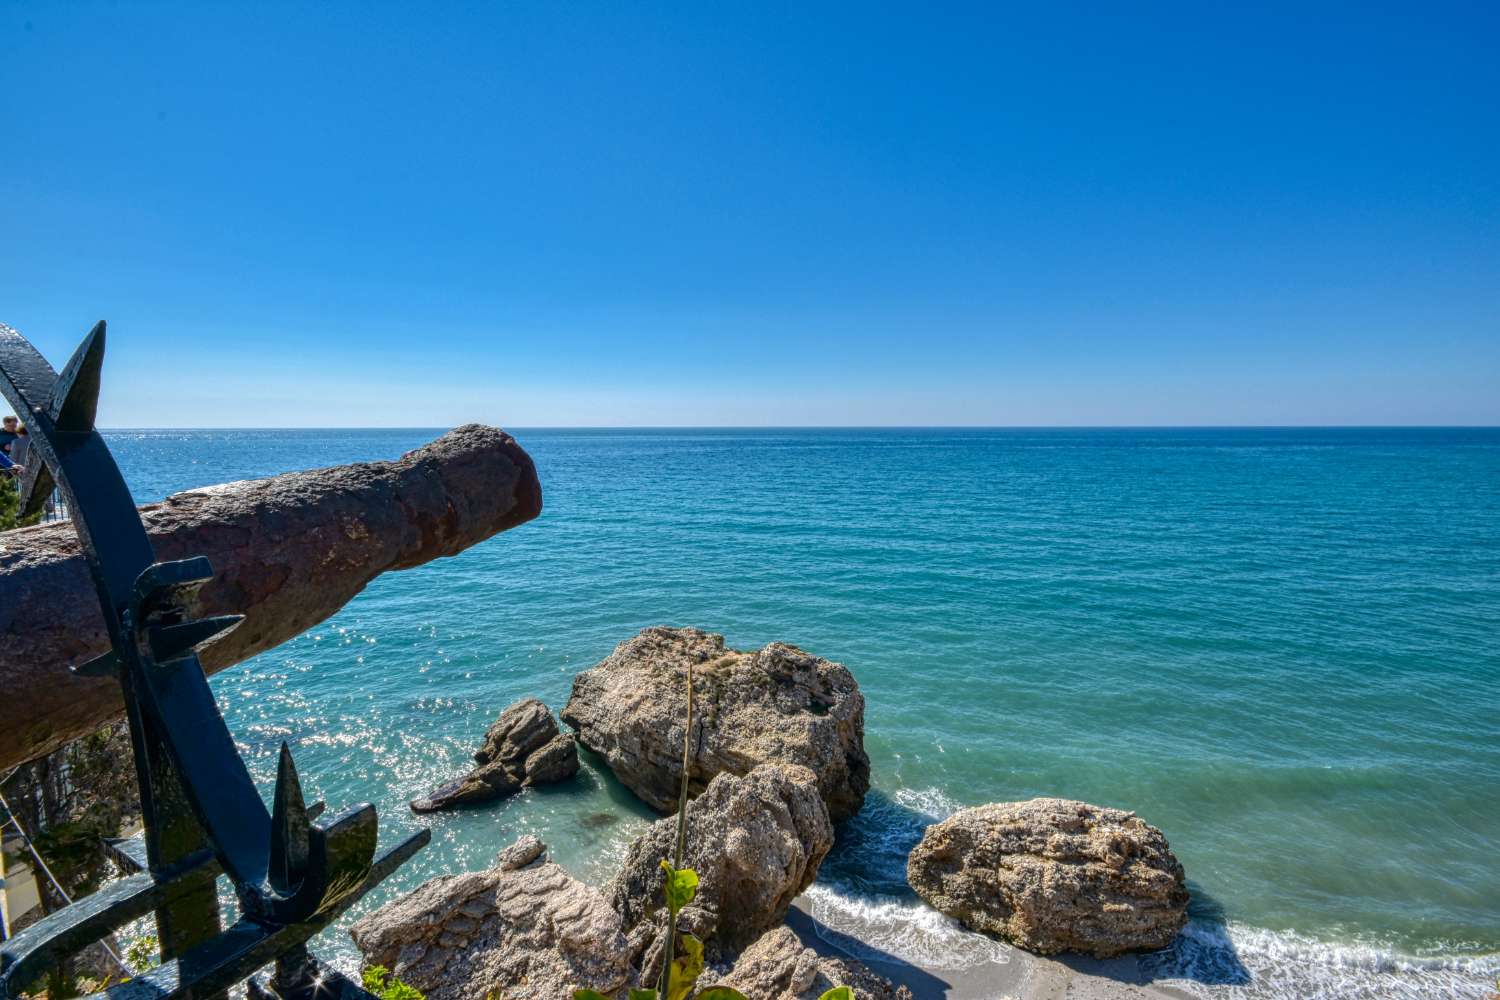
805,427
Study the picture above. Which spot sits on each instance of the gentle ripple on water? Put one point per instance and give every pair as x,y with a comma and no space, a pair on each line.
1276,645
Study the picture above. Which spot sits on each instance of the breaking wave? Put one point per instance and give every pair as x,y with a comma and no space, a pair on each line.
1251,963
863,906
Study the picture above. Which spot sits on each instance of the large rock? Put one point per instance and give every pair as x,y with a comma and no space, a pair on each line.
525,930
777,704
524,747
1053,875
756,843
778,966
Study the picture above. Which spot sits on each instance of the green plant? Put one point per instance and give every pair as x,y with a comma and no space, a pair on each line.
679,972
143,952
74,851
682,883
10,505
379,981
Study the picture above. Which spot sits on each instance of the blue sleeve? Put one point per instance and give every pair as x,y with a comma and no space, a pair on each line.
5,462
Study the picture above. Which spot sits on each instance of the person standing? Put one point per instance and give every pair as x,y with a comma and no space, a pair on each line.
8,434
20,448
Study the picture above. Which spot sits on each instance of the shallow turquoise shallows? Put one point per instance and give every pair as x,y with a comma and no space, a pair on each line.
1279,646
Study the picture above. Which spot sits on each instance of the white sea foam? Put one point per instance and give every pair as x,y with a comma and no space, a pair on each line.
884,927
1209,960
930,802
857,907
1250,963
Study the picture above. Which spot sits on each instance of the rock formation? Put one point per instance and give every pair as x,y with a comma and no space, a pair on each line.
756,843
523,747
779,967
531,932
777,704
287,552
1053,875
523,852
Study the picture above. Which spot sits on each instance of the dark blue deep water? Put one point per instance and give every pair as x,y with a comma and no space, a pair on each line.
1279,646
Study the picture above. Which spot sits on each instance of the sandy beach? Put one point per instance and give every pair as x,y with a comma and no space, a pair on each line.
1023,976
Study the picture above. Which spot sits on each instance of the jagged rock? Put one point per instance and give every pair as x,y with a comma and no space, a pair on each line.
520,854
530,933
779,967
777,704
755,841
524,747
1053,875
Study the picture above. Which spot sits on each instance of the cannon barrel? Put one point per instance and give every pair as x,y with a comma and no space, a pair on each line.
287,552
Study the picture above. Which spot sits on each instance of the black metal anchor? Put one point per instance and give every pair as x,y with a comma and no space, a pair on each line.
292,872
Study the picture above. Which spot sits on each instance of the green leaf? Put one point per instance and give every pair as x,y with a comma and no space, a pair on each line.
639,994
838,993
686,967
375,977
591,995
379,981
721,993
682,885
143,953
397,990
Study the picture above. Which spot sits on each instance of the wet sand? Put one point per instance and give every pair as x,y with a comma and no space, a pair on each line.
1023,976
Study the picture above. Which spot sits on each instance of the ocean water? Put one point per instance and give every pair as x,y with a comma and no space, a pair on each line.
1279,646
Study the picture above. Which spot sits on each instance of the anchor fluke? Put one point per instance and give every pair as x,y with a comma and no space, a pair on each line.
171,584
36,486
75,397
104,665
169,642
290,828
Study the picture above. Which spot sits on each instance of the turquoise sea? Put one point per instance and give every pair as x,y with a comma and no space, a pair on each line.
1280,646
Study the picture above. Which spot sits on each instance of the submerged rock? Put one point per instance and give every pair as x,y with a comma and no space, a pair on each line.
756,843
777,704
523,747
778,966
1054,875
525,933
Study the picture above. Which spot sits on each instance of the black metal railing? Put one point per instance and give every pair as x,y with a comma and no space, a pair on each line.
293,872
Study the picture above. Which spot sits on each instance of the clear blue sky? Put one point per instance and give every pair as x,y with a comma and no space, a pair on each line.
585,214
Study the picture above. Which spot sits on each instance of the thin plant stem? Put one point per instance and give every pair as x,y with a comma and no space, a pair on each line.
682,800
687,758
